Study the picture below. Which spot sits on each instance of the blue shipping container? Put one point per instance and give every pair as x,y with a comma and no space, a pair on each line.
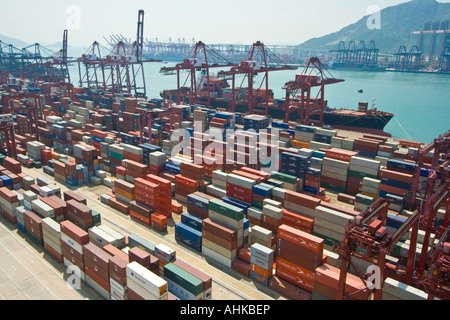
191,221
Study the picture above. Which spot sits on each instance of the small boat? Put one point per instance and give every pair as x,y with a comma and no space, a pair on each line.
360,90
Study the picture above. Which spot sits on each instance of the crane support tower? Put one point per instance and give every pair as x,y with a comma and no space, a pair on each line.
314,75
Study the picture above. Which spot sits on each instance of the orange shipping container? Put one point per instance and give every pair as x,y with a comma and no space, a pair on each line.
301,238
294,278
262,272
159,219
295,269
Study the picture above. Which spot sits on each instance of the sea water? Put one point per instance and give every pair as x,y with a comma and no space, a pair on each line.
419,101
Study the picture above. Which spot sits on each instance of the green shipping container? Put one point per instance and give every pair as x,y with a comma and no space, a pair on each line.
184,279
116,155
332,187
96,217
360,175
257,204
226,209
283,177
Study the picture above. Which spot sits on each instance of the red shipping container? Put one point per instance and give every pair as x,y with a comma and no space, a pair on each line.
301,199
74,232
297,221
139,217
295,279
96,277
190,183
163,183
241,266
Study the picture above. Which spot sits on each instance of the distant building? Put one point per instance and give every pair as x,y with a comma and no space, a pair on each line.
432,40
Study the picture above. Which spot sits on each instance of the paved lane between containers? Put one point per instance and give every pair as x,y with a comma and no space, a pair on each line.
227,284
25,275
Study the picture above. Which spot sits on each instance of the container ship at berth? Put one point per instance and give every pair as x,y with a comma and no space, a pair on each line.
363,120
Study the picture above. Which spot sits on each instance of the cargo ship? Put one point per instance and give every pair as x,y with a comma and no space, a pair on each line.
361,120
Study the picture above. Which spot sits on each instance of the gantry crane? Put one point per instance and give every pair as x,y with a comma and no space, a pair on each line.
314,75
200,58
436,282
56,66
259,59
7,128
405,60
373,245
120,69
431,272
175,115
30,105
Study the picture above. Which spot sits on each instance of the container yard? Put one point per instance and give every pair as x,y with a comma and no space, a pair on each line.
130,198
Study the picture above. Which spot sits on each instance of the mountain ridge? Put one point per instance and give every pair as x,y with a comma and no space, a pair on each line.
396,24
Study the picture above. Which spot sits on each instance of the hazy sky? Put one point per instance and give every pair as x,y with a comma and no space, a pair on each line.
225,21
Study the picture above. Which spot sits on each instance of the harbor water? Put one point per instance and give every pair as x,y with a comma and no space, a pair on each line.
420,101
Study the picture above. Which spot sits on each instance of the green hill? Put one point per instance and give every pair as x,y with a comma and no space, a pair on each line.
397,22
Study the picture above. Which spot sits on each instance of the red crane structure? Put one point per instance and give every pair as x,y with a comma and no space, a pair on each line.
31,106
120,69
200,58
432,270
314,75
7,128
146,117
362,242
258,60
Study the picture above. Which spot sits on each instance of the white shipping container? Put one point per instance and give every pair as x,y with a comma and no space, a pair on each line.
334,216
261,233
98,288
118,288
273,212
273,203
216,191
363,162
262,251
216,257
53,245
229,254
120,238
101,238
182,293
72,243
226,221
146,279
165,253
403,291
254,213
240,181
51,226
